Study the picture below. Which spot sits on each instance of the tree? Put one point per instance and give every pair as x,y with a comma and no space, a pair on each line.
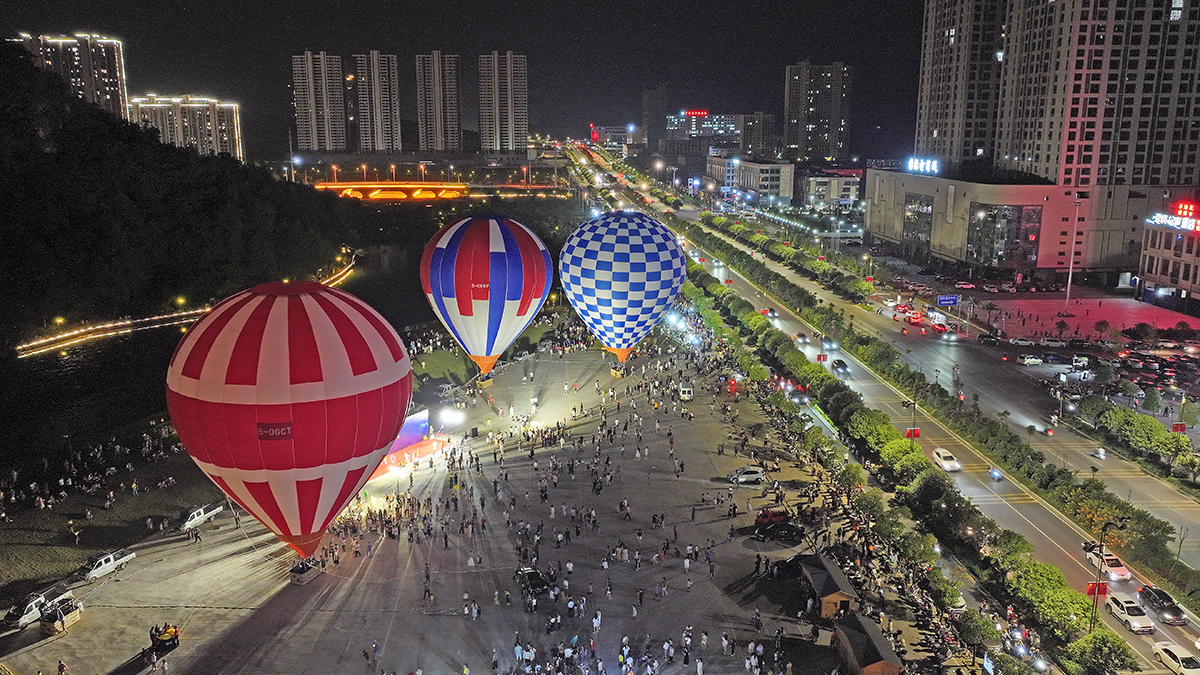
1191,464
1128,388
1144,331
850,476
1189,413
1104,373
1103,652
1062,326
1153,400
976,628
1102,328
1010,550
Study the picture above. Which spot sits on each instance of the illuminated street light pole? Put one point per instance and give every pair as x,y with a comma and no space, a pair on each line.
334,167
393,173
364,170
1123,523
1071,259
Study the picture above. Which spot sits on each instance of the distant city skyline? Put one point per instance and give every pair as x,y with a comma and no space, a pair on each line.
232,52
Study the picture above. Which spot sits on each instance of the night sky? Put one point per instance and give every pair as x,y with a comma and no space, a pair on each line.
588,62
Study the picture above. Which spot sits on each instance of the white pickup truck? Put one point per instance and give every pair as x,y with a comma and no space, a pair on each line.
103,564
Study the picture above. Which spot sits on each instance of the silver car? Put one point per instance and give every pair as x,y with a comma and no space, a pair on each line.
747,474
1124,609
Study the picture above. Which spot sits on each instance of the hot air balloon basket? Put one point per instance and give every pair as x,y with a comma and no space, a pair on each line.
484,383
617,372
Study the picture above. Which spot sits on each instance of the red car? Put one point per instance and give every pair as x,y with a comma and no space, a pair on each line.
770,516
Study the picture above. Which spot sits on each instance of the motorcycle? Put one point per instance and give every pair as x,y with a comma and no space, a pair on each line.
1100,453
995,474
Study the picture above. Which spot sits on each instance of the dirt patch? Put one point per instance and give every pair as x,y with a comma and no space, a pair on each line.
37,548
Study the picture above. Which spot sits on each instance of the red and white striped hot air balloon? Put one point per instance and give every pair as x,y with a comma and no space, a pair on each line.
287,396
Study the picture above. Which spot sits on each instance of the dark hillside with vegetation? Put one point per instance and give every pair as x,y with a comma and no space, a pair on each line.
102,220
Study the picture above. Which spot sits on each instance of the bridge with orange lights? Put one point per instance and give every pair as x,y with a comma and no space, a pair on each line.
389,191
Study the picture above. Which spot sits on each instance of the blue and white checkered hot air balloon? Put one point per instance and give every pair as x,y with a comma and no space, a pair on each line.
621,271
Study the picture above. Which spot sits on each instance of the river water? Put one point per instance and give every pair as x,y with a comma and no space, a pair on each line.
99,388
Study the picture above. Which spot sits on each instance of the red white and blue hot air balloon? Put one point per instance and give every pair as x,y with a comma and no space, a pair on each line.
288,396
621,271
486,278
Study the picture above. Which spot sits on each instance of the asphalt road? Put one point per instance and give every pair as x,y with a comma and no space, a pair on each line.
1001,385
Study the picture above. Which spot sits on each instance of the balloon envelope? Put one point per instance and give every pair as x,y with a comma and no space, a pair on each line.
287,396
486,278
621,271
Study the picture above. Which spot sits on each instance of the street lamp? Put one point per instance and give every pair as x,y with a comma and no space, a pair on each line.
1121,523
334,167
421,169
1071,259
912,438
393,173
364,170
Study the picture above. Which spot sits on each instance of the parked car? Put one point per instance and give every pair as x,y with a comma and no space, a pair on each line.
784,532
1177,659
889,302
964,285
771,515
1056,359
1126,610
947,461
1029,360
531,580
1106,344
1020,342
988,339
1052,342
30,608
1158,602
1076,343
991,288
747,474
1108,563
1008,287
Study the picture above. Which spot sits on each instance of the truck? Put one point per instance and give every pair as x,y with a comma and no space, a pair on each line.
196,516
29,610
103,564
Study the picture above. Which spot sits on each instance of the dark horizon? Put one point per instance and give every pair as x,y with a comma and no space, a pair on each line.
586,64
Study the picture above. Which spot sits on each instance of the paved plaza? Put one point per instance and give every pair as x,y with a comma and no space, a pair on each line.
237,613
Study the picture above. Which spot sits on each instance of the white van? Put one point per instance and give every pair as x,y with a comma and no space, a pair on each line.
29,610
197,516
685,392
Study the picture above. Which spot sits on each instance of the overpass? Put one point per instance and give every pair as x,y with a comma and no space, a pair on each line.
391,191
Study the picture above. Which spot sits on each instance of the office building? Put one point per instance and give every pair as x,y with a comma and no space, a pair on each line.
318,93
1089,125
752,180
816,104
961,57
654,113
437,102
210,126
503,102
92,65
757,133
376,87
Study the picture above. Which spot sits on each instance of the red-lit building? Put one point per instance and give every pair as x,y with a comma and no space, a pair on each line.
1169,270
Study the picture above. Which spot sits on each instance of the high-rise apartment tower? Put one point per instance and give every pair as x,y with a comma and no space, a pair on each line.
92,65
376,84
816,104
503,101
318,84
437,102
